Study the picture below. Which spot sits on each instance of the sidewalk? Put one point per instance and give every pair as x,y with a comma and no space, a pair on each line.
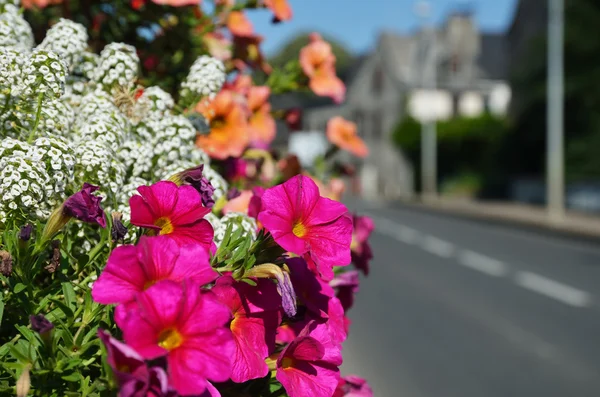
574,223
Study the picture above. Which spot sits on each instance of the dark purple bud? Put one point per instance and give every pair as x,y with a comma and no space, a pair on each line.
25,232
6,263
233,193
194,178
40,324
85,206
118,230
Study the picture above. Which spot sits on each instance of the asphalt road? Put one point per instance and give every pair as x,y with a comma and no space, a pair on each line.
458,308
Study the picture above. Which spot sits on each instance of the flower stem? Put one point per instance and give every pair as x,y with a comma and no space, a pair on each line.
38,115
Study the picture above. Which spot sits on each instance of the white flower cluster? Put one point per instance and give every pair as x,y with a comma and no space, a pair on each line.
68,39
57,157
154,104
206,77
236,220
44,73
15,32
118,66
11,71
97,164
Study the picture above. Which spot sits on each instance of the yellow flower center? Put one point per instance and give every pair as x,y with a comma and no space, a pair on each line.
170,339
287,362
299,229
166,227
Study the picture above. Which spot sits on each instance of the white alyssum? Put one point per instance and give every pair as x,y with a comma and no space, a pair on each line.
68,39
205,79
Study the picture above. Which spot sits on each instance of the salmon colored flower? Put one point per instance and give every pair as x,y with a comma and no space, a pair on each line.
219,46
239,203
134,268
167,209
262,124
228,127
280,8
188,326
318,63
342,133
309,365
303,222
256,316
239,24
39,3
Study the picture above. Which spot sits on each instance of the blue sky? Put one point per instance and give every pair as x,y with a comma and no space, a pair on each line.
357,23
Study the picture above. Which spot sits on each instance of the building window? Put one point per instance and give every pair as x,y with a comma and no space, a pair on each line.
377,84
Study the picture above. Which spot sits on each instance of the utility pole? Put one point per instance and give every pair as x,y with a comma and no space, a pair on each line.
428,124
555,173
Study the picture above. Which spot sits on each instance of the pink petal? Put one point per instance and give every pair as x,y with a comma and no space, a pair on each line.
309,381
325,211
158,255
141,213
185,381
161,196
336,322
121,279
251,349
200,232
307,348
188,208
281,229
330,243
202,312
303,193
193,264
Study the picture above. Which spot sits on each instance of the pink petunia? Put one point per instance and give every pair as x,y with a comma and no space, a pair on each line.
132,269
256,316
353,386
309,365
167,209
188,326
360,248
303,222
347,285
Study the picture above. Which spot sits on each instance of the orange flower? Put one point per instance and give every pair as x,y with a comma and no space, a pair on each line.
240,203
318,63
39,3
280,8
262,124
342,133
228,125
218,45
239,24
177,3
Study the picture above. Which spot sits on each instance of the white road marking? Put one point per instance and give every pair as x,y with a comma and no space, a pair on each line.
553,289
407,235
482,263
437,246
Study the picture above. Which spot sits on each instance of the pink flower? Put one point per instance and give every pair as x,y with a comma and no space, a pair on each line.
303,222
309,365
347,285
353,386
132,269
132,373
167,209
255,205
360,248
188,326
255,318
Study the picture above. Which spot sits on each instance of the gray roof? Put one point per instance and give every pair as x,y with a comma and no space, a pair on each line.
397,53
493,60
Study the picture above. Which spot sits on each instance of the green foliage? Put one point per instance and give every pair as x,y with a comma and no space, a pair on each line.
465,145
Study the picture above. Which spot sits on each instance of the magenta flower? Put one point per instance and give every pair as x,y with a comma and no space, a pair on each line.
132,269
188,326
353,386
255,205
85,206
361,250
255,318
309,365
167,209
132,374
319,299
347,285
303,222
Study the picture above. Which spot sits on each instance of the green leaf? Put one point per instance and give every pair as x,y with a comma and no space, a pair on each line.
19,351
74,377
69,293
19,287
29,335
1,311
68,313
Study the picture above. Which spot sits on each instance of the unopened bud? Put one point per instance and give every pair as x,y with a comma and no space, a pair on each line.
24,383
25,232
55,258
118,230
40,324
6,263
284,284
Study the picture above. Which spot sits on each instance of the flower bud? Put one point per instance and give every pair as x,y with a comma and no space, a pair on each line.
40,324
284,284
55,258
118,230
25,232
24,383
6,263
194,178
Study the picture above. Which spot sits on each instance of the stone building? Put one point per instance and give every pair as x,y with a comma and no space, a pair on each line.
471,73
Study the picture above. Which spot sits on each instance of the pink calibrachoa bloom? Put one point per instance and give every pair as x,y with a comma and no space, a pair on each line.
347,285
256,316
309,365
360,248
134,268
131,372
188,326
303,222
353,386
167,209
